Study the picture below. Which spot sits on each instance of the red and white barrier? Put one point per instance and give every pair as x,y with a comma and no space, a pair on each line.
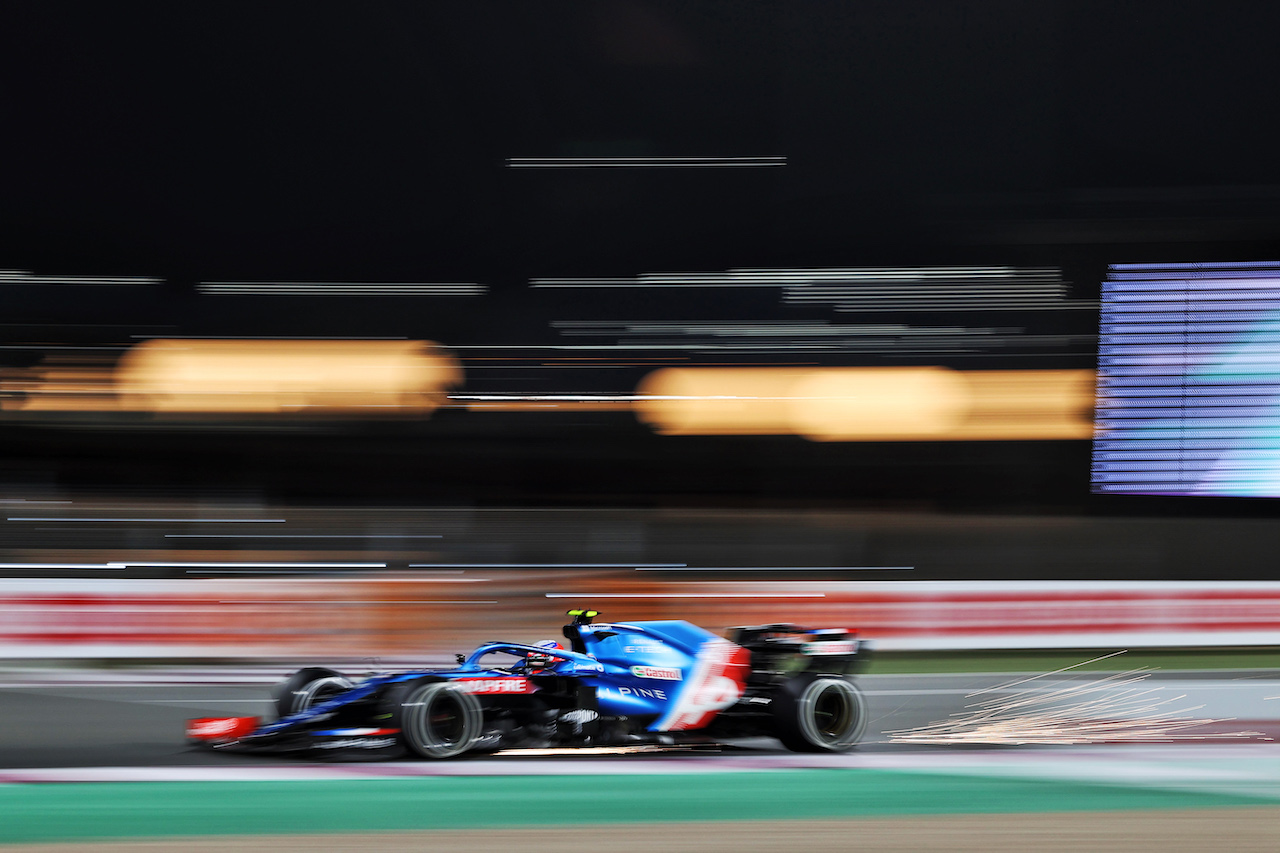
398,616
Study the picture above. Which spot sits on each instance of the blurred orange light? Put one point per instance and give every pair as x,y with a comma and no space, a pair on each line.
870,404
718,401
879,404
277,376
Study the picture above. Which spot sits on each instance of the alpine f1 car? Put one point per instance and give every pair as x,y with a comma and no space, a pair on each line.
617,684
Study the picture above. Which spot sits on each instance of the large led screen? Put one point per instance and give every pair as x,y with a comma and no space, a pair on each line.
1189,380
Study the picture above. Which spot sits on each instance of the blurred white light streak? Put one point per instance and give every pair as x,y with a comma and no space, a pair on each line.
341,288
1046,290
860,306
784,277
691,280
173,520
701,336
96,566
28,277
642,162
585,328
873,288
271,572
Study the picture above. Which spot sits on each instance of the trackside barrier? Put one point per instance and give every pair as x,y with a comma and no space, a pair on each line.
398,616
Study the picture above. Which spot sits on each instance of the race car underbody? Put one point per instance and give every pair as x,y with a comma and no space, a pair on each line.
618,684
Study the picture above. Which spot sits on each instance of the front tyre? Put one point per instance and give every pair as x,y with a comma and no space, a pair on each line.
824,714
309,687
439,719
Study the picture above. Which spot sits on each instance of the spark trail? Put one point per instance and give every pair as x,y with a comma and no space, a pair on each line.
1116,708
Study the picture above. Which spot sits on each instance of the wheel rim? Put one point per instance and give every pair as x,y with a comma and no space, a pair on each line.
319,691
440,721
444,720
832,714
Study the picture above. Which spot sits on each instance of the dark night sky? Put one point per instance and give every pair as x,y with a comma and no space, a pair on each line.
197,141
336,140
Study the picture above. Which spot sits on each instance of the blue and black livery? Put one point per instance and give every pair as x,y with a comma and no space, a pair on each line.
618,683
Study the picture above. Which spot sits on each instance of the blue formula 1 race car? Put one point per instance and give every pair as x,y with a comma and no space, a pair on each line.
617,684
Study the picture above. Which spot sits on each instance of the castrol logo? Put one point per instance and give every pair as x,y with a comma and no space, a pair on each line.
662,672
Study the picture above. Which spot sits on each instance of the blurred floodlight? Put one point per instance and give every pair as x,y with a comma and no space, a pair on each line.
1029,404
706,401
279,376
879,404
870,404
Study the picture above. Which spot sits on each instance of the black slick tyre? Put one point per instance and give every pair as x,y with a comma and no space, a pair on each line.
819,714
438,719
307,688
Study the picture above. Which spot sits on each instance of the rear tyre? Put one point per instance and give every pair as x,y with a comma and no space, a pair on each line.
309,687
439,719
823,714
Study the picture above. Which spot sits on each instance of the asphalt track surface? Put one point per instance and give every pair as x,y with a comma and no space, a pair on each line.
100,718
97,719
113,742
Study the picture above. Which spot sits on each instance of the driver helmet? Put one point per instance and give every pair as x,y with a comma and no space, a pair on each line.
538,660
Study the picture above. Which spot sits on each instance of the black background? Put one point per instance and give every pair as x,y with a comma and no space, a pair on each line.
330,141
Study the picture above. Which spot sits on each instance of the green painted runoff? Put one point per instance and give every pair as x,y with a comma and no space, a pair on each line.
72,811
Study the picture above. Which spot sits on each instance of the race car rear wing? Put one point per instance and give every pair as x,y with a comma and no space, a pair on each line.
786,649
